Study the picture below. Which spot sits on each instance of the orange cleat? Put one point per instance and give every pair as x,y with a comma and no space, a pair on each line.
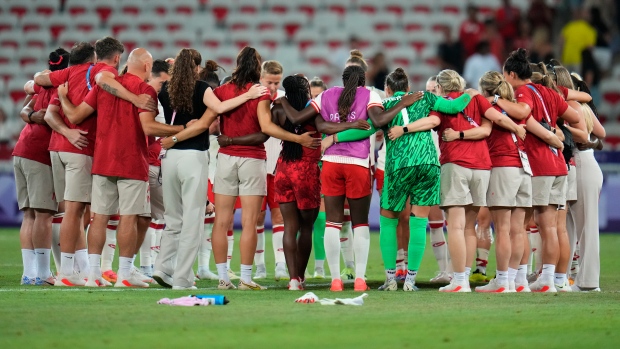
109,276
337,286
360,285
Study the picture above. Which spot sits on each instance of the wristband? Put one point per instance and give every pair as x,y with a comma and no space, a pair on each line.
184,126
30,116
461,135
405,129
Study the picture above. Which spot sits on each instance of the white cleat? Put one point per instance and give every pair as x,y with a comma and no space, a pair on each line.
26,280
522,287
49,281
409,286
532,277
455,286
319,273
226,285
69,280
564,288
389,285
133,280
97,282
494,286
206,274
261,272
184,288
232,275
295,285
542,285
251,286
281,273
143,277
576,288
442,278
511,287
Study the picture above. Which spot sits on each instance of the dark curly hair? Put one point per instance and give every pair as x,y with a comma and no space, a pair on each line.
518,63
352,78
209,75
183,78
108,47
397,81
248,68
297,89
82,52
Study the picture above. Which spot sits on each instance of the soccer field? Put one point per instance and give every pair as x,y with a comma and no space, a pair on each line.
104,318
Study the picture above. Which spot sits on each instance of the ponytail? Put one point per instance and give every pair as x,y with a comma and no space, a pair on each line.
540,75
352,78
493,83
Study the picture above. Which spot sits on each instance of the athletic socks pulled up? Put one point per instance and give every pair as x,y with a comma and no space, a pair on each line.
259,255
230,235
332,248
439,244
361,247
318,240
417,241
107,253
388,241
30,263
277,241
42,257
482,260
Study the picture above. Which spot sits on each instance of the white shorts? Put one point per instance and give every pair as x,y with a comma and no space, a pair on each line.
509,187
462,186
122,195
34,184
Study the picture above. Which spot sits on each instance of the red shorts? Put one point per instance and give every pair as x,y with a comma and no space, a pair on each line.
352,181
211,196
298,181
270,199
379,175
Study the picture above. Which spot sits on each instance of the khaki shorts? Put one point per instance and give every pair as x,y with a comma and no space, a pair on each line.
509,187
237,176
73,180
462,186
34,184
549,190
157,195
124,196
571,189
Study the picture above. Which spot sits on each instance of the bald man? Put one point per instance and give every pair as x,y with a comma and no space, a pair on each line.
120,168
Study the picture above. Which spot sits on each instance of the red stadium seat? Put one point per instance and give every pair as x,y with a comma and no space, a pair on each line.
37,39
368,6
86,23
15,89
397,7
612,141
413,22
240,39
423,6
270,38
9,71
402,56
186,7
292,22
105,10
30,55
453,7
249,6
610,89
214,39
318,55
21,8
268,21
34,22
280,6
133,7
241,22
307,7
7,55
422,39
383,21
161,7
78,7
8,22
335,40
57,24
120,22
305,38
46,7
145,24
69,38
131,40
9,40
182,39
389,40
226,56
158,39
339,7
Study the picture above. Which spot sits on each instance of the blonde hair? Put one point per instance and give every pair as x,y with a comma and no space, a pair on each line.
541,76
562,77
357,58
588,116
450,81
272,68
493,83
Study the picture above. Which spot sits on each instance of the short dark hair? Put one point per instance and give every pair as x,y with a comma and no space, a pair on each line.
107,47
160,66
81,52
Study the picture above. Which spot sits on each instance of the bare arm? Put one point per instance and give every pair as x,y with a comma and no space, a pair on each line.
76,115
536,129
298,117
424,124
43,79
576,121
382,117
212,102
193,130
29,87
505,122
74,136
598,130
474,134
251,139
579,96
107,81
28,108
157,129
268,127
518,111
330,128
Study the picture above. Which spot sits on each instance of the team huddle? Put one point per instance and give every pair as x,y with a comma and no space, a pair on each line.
157,156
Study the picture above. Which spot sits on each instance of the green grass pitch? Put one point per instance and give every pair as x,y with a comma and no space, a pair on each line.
106,318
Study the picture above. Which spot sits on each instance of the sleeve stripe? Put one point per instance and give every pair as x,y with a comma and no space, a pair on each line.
374,105
315,106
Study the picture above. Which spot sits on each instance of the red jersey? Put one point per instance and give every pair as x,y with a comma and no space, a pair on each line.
502,148
121,149
469,34
81,78
241,121
35,139
543,160
465,153
507,20
154,150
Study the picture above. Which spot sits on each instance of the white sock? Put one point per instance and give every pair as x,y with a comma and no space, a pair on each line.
42,256
361,246
277,241
501,276
95,265
521,277
204,252
133,259
440,246
30,263
482,260
107,253
147,270
231,244
467,271
411,274
400,259
246,273
124,266
548,272
560,279
332,248
319,263
390,274
222,271
406,260
81,261
346,245
536,246
158,227
56,221
512,274
460,277
67,261
259,255
145,249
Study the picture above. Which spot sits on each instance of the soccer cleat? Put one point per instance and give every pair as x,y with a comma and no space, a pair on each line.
295,285
478,277
162,278
281,273
360,285
134,279
226,285
522,287
49,281
409,286
69,280
532,277
347,274
576,288
109,276
319,273
184,288
564,288
232,275
389,285
206,274
261,272
145,278
494,286
400,275
511,287
455,286
251,286
27,280
442,277
542,285
96,282
337,285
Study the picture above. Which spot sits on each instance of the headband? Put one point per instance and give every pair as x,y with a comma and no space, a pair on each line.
56,63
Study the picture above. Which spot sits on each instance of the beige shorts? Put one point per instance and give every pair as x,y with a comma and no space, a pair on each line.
549,190
124,196
571,186
73,180
34,184
237,176
509,187
462,186
157,195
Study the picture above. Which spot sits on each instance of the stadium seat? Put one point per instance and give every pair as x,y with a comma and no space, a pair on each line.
308,7
249,6
370,7
268,21
325,21
240,39
610,89
182,39
133,7
487,7
79,7
69,38
292,22
429,55
305,38
145,24
34,22
423,6
357,22
289,57
36,39
9,40
336,39
339,7
186,7
241,22
8,72
215,38
30,55
86,22
157,38
46,8
8,22
318,55
454,7
220,9
120,22
105,9
15,90
131,40
20,8
280,6
419,73
397,7
58,23
226,56
270,38
383,21
7,55
413,21
161,7
422,39
389,40
402,56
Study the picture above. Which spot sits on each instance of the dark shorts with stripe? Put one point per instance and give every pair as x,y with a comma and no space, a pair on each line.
419,183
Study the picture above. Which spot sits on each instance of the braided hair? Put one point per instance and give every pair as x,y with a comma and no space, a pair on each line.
352,78
297,91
